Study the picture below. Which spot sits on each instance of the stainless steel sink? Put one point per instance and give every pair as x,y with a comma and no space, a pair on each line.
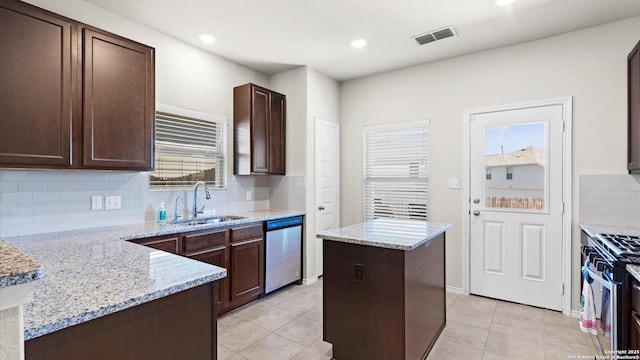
207,220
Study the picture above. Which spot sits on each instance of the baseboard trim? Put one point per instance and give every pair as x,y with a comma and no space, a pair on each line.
455,290
309,281
575,314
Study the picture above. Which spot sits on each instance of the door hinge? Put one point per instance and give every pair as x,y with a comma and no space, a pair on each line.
562,290
563,207
564,126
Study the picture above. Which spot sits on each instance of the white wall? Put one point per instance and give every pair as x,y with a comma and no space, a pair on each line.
589,65
310,94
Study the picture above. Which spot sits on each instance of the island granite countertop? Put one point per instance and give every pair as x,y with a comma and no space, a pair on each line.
387,233
16,267
92,272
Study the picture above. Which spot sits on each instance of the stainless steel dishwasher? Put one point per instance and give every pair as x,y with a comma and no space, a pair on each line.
283,253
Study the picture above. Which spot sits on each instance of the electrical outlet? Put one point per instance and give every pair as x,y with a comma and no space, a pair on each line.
249,194
112,202
96,202
454,183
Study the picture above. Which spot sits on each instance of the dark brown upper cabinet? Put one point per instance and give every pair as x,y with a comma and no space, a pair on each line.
633,102
118,102
259,117
36,86
72,96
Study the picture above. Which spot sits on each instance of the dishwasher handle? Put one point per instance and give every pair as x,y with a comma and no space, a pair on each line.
283,223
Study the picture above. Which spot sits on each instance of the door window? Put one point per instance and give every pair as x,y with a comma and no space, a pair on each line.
515,167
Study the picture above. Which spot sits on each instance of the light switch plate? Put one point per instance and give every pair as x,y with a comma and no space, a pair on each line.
112,202
96,202
454,183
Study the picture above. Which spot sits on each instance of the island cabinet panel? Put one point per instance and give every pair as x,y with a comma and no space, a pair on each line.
382,303
179,326
118,102
36,86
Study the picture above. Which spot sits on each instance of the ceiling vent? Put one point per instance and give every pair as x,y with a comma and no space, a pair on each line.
435,35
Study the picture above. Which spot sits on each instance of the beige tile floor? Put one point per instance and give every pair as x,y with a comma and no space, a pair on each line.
288,325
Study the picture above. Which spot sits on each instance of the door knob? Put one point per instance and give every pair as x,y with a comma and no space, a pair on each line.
321,208
476,212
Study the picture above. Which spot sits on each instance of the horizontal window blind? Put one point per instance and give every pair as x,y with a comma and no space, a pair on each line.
188,150
396,171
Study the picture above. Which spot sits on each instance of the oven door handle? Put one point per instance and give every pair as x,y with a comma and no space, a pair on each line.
593,275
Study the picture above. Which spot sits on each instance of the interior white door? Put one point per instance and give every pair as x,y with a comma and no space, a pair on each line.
327,181
516,205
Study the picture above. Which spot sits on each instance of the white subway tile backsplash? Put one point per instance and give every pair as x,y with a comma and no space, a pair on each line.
609,200
8,186
59,186
17,197
85,185
46,196
40,201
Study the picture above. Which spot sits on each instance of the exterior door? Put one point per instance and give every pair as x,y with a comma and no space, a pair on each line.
516,167
327,182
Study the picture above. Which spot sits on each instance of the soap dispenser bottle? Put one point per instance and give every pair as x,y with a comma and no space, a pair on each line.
162,213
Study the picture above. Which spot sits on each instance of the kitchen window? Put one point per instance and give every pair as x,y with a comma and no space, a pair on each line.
396,171
190,147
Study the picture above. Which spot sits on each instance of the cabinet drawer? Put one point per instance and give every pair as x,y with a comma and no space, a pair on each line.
165,243
206,240
635,296
247,232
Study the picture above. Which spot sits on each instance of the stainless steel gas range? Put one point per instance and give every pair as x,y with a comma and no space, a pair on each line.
605,257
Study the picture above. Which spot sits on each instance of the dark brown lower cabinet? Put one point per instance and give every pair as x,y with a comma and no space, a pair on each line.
178,326
238,249
383,303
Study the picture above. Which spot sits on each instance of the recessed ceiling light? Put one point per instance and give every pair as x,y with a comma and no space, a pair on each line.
358,43
206,38
504,2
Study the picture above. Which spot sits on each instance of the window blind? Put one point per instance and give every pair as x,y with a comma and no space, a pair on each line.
188,150
396,171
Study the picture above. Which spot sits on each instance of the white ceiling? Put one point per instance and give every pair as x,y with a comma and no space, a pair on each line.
275,35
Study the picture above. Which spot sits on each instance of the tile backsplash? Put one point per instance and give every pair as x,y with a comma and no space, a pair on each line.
37,201
609,200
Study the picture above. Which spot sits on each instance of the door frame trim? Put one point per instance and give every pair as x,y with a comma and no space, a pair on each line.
567,168
336,125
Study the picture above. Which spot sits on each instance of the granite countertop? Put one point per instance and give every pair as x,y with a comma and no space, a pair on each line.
92,273
592,230
16,267
387,233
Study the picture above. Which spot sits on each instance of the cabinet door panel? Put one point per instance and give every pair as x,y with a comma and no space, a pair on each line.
119,102
164,243
259,130
217,257
36,96
247,270
200,241
277,131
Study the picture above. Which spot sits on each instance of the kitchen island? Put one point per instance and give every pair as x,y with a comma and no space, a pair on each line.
384,289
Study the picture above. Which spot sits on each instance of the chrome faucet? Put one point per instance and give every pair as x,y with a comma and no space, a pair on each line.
176,216
197,211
